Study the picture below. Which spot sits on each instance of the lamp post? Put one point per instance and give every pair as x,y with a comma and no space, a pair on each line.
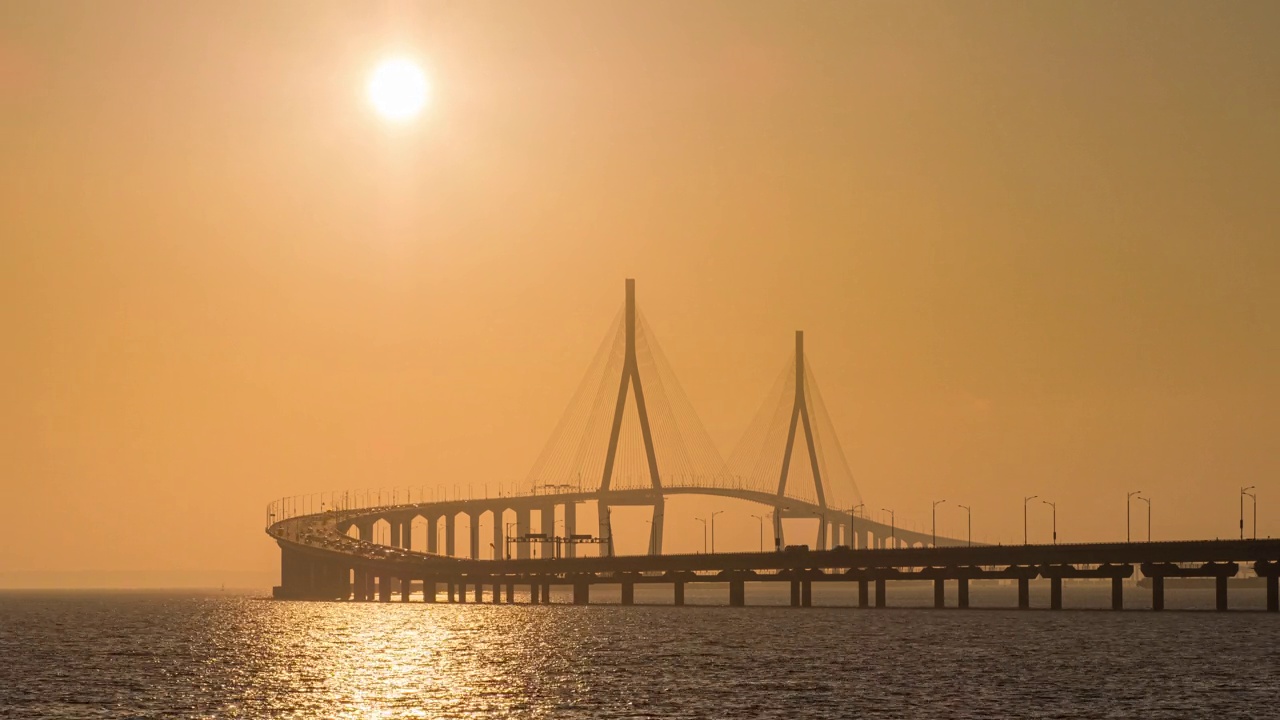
1055,519
1245,491
713,529
968,516
761,519
1148,502
1128,535
1026,500
507,539
704,534
936,503
892,526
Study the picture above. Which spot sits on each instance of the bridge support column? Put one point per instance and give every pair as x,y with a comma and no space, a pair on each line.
428,590
479,592
880,592
523,523
406,534
473,531
962,593
939,593
546,593
628,593
534,590
1024,593
358,585
384,588
497,592
806,593
1157,592
795,593
1055,593
1117,593
499,535
570,528
656,526
679,592
370,585
862,594
548,546
406,588
1273,593
394,526
450,534
1220,586
581,592
433,534
737,593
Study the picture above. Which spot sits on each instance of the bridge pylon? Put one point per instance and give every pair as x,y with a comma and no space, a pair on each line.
800,419
632,381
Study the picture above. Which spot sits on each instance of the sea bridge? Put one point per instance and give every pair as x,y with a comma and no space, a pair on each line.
660,451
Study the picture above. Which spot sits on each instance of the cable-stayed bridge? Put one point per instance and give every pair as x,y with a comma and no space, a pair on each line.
630,437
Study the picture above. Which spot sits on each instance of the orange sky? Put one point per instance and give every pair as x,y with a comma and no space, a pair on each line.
1033,247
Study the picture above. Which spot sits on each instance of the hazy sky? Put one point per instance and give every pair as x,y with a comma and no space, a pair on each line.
1033,247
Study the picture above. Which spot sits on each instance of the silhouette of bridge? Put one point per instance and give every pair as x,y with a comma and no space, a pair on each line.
642,443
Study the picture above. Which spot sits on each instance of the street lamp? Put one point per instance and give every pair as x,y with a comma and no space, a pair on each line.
1148,502
761,519
1055,519
936,503
713,529
969,513
1128,536
704,534
1026,500
1245,491
893,540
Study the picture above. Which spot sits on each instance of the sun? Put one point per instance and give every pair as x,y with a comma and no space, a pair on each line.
398,89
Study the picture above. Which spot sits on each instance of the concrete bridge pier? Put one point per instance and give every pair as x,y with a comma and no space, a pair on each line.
450,534
962,593
570,527
511,593
546,592
406,533
473,532
628,593
548,546
360,589
499,537
406,588
679,592
1024,593
939,593
428,590
880,592
1157,592
806,593
433,534
479,592
862,594
1117,593
1055,593
384,588
795,593
581,592
737,593
524,520
1220,588
370,585
497,592
1273,593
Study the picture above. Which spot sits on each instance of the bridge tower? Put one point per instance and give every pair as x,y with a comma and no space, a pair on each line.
800,418
631,380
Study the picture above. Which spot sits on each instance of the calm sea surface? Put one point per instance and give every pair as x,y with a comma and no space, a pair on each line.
92,655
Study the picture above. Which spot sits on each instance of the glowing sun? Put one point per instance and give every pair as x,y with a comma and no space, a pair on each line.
398,89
